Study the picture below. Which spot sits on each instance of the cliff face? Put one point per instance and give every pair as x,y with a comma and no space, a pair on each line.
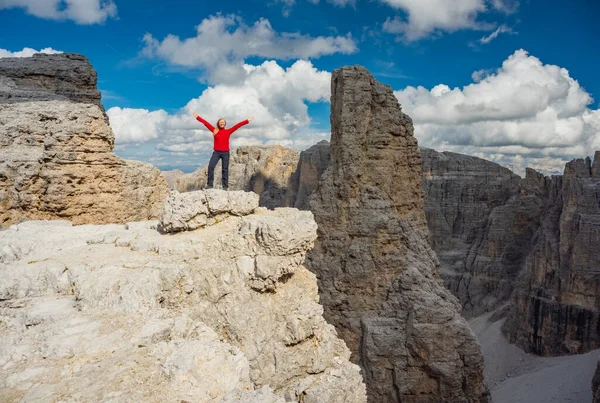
526,244
554,308
377,273
479,226
265,170
122,313
63,77
56,145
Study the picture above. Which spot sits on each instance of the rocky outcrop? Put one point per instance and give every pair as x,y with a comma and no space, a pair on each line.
264,170
479,226
377,273
60,77
124,313
56,145
554,308
192,210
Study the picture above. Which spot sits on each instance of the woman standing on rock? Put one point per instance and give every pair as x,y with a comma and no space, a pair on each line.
221,148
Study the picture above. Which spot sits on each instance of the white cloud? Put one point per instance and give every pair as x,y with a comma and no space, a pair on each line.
222,43
505,6
137,125
422,18
526,112
26,52
276,97
484,40
81,11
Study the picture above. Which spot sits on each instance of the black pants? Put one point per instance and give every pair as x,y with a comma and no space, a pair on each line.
214,159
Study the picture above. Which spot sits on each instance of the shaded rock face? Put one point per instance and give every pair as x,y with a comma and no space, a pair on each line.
377,273
56,146
528,243
479,228
265,170
226,313
554,308
303,182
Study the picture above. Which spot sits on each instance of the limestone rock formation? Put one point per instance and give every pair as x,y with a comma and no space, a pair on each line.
192,210
124,313
62,77
478,227
264,170
556,302
530,243
377,273
478,230
56,146
486,224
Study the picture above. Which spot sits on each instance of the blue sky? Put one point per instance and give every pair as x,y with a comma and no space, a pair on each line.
511,81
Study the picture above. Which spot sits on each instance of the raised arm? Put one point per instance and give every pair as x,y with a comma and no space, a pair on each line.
204,122
242,123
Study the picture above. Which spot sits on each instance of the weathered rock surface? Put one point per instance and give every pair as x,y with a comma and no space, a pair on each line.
479,232
56,146
264,170
488,228
377,273
61,77
192,210
478,225
555,305
123,313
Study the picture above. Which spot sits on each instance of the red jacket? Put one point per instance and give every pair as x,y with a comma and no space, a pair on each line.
222,136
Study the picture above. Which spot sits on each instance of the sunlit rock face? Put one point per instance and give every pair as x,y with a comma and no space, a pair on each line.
223,313
56,146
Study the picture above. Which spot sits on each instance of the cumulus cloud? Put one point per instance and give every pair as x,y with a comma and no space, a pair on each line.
137,125
276,97
422,18
526,113
83,12
26,52
222,43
